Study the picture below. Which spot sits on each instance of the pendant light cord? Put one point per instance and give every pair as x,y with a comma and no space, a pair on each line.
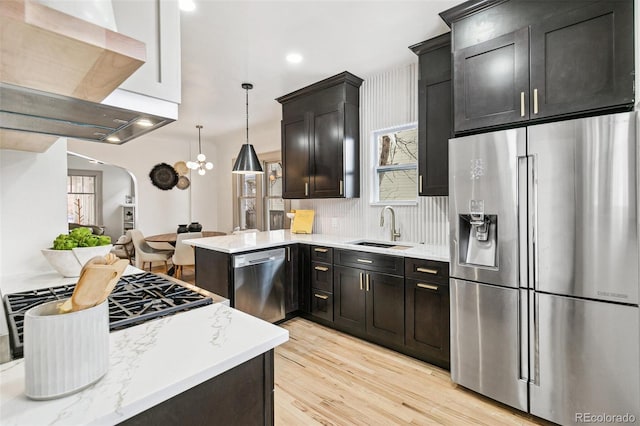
199,141
247,91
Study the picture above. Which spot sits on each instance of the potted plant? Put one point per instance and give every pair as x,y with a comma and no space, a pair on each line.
71,251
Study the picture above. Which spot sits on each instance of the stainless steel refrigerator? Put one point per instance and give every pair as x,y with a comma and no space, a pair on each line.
545,269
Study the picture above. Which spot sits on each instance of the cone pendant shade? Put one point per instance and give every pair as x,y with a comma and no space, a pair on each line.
247,161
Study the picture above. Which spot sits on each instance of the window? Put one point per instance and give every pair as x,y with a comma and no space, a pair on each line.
84,197
396,165
275,205
258,197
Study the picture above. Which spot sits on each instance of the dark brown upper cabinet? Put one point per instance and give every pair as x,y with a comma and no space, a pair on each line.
320,139
435,114
529,61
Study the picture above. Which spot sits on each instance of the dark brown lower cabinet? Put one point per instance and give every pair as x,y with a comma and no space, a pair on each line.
369,302
240,396
322,304
427,320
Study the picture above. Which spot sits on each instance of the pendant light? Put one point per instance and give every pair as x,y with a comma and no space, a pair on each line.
247,161
201,164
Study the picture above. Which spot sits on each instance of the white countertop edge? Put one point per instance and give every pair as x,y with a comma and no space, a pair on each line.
151,400
240,243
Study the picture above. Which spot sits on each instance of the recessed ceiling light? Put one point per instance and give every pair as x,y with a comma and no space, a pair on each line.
187,5
113,139
294,58
144,122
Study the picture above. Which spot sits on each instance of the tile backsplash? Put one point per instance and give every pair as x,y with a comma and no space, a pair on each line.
387,99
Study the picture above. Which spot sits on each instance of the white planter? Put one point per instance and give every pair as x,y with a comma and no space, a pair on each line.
70,262
64,353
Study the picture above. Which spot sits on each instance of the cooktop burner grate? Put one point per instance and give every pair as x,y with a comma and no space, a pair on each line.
135,299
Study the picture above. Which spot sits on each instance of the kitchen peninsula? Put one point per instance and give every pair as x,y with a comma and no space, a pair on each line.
212,363
243,242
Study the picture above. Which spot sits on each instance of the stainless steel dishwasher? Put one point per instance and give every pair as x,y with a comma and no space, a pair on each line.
259,284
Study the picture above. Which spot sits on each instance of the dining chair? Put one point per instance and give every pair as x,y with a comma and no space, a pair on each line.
123,248
147,254
184,254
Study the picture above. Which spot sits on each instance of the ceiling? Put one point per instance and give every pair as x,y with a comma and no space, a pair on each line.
225,43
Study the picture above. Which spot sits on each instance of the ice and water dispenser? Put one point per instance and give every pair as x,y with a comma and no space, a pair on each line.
478,232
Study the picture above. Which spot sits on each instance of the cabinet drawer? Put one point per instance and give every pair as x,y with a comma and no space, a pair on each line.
428,270
322,254
370,261
322,276
322,304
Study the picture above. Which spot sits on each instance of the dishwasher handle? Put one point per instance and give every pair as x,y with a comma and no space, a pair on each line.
257,258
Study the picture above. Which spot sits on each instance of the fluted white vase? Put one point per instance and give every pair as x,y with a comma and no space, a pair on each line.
64,353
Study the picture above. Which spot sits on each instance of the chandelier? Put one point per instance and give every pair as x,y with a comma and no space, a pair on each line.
201,164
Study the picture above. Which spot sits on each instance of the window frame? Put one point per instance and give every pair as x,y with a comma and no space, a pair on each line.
376,169
262,211
97,174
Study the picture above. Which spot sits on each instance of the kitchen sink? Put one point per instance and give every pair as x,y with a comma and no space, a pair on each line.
380,245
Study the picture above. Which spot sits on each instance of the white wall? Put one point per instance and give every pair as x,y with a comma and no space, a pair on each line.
116,184
161,211
33,206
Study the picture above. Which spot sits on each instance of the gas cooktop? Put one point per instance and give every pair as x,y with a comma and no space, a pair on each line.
135,299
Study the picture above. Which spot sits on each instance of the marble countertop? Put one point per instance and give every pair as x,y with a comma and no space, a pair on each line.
149,363
238,243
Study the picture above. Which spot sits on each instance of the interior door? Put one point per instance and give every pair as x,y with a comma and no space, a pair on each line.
584,358
584,217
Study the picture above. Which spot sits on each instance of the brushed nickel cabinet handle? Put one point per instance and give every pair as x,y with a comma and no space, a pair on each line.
364,260
521,104
360,275
288,254
368,282
420,185
341,187
321,250
306,188
321,268
535,101
320,296
427,286
427,271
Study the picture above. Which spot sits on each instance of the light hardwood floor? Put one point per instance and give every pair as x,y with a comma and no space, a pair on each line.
325,377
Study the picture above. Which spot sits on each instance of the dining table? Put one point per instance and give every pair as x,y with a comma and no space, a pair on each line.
171,237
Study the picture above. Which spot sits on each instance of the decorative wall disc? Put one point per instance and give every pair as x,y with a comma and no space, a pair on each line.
163,176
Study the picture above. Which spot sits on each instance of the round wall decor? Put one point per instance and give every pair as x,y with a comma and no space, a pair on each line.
183,182
163,176
181,168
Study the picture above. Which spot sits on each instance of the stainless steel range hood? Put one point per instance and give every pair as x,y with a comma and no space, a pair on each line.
54,70
29,110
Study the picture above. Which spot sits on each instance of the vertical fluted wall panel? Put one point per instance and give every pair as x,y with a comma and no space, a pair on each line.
387,99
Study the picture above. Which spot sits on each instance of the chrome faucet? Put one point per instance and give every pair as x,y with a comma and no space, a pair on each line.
394,233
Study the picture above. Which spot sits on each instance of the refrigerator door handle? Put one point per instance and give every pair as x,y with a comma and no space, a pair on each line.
522,177
533,220
523,351
534,340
